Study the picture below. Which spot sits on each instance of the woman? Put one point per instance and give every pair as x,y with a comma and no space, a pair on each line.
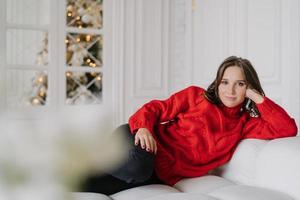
195,131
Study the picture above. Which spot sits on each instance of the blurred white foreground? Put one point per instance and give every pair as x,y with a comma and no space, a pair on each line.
44,160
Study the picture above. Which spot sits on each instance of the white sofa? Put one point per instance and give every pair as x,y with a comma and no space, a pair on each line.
259,170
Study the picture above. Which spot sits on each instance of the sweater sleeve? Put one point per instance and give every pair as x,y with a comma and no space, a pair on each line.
157,111
274,122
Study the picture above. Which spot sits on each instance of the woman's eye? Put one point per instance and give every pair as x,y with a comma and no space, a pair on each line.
241,84
224,82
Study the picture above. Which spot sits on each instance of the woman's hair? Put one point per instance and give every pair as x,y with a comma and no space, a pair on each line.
251,77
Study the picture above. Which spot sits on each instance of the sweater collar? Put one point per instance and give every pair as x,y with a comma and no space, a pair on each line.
233,111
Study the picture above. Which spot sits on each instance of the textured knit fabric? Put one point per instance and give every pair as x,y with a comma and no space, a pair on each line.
195,136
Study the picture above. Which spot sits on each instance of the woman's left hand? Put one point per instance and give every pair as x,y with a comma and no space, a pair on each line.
254,95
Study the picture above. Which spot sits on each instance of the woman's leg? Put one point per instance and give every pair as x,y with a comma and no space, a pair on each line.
140,163
137,170
108,185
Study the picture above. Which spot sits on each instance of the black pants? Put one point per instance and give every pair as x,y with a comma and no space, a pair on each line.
136,171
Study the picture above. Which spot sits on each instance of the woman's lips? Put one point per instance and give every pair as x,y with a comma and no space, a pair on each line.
230,98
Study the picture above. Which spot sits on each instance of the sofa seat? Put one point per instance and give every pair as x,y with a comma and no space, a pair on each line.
201,188
259,170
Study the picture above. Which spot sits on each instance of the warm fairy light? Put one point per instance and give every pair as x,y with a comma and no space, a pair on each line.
88,38
88,60
92,64
79,26
36,101
41,93
78,18
66,41
40,79
98,78
68,74
78,39
69,14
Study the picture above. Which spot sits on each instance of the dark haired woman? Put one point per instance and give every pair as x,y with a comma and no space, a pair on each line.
195,131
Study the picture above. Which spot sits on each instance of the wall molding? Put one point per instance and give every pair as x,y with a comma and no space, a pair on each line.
180,69
151,48
118,21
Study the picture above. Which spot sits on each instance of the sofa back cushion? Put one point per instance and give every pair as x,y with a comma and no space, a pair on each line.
271,164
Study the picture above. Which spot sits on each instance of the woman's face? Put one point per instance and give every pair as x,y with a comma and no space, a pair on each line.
232,89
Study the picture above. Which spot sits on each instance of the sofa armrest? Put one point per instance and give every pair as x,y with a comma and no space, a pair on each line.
273,164
278,166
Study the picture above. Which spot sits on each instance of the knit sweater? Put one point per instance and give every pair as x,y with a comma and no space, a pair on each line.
195,136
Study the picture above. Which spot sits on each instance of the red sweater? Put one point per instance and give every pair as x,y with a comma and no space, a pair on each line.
195,136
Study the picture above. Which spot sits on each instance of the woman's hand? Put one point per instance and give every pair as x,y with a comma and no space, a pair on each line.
146,140
254,95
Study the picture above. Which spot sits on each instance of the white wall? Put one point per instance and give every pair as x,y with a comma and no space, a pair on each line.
172,44
157,50
264,31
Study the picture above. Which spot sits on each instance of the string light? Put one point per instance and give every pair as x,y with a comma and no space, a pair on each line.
88,38
70,14
78,39
92,64
68,74
66,41
42,94
40,80
98,78
35,101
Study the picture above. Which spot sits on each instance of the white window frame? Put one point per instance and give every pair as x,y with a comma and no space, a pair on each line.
112,69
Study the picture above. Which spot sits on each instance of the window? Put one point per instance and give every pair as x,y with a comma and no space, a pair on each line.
84,45
53,56
26,60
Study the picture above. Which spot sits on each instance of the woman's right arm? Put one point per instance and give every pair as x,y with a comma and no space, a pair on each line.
157,111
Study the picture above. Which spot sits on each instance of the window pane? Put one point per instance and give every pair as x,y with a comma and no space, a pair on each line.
83,88
84,50
84,14
29,12
27,47
26,88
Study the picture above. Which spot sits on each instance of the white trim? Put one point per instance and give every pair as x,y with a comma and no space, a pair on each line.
166,39
118,31
53,55
295,60
27,27
83,68
2,55
61,54
189,40
27,67
84,30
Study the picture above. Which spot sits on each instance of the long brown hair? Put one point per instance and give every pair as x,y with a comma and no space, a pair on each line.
251,77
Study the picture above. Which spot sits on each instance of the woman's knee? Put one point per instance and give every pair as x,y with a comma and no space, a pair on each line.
140,171
138,168
124,130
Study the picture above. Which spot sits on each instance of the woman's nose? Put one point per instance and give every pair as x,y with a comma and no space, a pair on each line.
231,89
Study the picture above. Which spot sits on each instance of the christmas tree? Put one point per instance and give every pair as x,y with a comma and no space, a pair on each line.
82,50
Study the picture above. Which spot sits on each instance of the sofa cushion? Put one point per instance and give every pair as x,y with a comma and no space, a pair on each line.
278,166
88,196
241,168
143,192
202,185
238,192
181,196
